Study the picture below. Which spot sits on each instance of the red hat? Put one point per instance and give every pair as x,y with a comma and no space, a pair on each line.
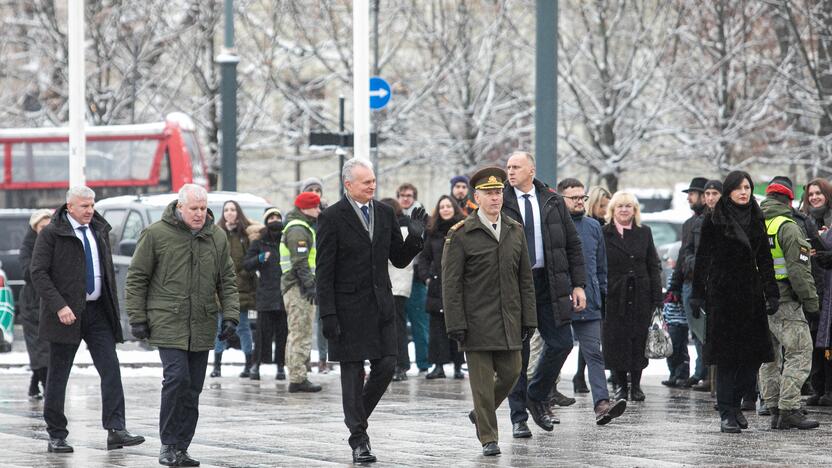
307,200
781,185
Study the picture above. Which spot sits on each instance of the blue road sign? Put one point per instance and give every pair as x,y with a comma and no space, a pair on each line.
379,92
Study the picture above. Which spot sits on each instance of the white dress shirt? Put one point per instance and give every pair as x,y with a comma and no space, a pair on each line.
96,265
538,234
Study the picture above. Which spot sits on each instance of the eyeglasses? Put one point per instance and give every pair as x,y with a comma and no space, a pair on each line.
578,198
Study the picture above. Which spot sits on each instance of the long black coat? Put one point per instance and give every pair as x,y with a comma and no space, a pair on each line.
30,306
634,290
429,265
267,295
59,275
352,279
563,256
734,275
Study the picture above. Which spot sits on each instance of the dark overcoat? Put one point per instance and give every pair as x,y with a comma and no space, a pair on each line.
352,279
634,291
268,296
734,275
30,306
58,271
429,266
563,256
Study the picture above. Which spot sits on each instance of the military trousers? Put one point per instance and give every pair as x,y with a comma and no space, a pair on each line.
492,375
792,344
300,315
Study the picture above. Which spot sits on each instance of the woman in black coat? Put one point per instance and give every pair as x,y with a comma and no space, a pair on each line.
429,269
634,291
734,283
37,349
263,256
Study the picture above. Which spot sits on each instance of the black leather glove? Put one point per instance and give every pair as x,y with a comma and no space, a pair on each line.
331,329
228,328
824,259
672,298
418,221
458,336
527,333
695,307
140,330
311,296
772,304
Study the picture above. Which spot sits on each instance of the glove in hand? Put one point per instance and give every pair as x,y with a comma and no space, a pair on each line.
311,296
458,336
418,221
527,333
772,304
229,328
331,329
140,330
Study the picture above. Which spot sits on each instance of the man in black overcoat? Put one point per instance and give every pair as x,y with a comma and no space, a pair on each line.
356,237
72,272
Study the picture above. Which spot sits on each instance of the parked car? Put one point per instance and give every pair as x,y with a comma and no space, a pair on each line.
14,224
666,225
129,215
6,314
668,254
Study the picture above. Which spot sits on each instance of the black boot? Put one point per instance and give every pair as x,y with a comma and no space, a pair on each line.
255,371
217,364
34,389
458,371
438,372
246,373
635,386
620,385
281,373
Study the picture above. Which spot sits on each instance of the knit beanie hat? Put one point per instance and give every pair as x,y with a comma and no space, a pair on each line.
307,200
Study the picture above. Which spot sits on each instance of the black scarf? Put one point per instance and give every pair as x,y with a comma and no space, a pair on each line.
819,214
445,225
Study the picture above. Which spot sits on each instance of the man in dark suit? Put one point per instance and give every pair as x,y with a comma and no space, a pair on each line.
72,272
356,237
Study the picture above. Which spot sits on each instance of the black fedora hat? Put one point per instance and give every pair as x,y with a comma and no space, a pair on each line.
697,184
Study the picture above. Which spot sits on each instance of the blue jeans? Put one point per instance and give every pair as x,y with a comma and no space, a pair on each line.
418,318
243,331
679,363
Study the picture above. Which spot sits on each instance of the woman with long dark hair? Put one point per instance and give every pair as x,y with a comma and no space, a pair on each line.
441,349
234,223
734,281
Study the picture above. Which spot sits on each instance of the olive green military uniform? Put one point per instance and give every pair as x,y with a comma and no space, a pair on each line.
790,334
488,292
297,282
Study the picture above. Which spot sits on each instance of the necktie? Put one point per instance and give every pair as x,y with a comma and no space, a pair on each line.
494,225
88,261
528,228
365,210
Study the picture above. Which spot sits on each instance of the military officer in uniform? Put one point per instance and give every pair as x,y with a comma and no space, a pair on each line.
489,298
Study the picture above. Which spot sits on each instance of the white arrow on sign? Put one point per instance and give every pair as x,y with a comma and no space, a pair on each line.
379,92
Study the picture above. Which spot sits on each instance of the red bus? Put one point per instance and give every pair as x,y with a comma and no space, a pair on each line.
121,159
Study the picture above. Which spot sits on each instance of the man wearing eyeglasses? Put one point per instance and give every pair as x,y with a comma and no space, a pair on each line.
586,324
559,280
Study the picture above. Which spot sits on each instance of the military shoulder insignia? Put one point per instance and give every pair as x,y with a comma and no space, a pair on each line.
804,254
457,225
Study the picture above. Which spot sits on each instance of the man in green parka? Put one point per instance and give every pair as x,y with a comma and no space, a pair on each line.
180,276
489,299
790,336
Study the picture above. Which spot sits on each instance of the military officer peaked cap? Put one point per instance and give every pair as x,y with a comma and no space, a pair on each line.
489,178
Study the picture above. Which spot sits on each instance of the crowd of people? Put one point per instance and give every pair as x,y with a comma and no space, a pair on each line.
505,274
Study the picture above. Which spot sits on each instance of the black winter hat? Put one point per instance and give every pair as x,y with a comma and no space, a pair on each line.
697,184
781,185
714,185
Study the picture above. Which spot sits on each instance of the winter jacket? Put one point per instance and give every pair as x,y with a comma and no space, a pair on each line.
595,260
487,286
563,258
268,295
686,260
175,279
635,290
300,241
29,301
58,272
238,243
734,276
800,287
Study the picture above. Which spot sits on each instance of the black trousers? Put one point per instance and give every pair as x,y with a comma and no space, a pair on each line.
402,357
441,349
184,374
272,328
98,334
732,382
360,398
821,374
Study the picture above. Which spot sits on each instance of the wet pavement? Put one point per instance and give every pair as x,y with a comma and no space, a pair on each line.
417,423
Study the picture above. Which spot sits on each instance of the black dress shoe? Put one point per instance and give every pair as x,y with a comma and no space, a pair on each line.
167,455
437,373
670,383
118,438
490,449
579,385
560,399
636,394
729,426
741,421
538,412
58,445
183,459
520,430
363,454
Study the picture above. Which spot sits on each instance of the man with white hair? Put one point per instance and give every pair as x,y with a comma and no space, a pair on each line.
180,267
356,237
72,273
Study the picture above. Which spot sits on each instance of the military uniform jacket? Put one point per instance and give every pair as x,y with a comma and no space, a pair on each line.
487,286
